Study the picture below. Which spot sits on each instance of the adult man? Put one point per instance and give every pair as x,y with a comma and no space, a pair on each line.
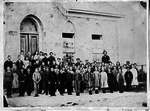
45,59
51,58
105,57
19,63
8,63
78,62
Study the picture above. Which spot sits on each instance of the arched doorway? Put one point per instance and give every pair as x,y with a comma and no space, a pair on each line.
29,35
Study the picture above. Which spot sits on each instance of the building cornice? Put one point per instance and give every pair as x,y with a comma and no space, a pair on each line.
93,13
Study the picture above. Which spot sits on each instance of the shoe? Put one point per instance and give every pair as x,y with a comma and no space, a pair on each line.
90,92
36,95
96,92
77,94
111,91
69,93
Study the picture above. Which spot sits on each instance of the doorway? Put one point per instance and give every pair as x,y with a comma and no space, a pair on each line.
29,36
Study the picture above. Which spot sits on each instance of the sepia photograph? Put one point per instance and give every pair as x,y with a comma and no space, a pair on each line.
75,53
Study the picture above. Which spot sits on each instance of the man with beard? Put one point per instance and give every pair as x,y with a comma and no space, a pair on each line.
105,57
8,63
19,63
51,58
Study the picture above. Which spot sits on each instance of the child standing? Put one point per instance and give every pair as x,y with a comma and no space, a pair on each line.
52,82
36,79
15,83
77,81
128,78
104,83
96,78
120,81
135,74
29,82
22,82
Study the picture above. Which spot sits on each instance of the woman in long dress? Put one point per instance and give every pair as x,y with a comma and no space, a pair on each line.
120,81
135,75
96,80
104,80
15,82
124,70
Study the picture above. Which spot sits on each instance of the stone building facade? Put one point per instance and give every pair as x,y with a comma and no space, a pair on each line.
83,29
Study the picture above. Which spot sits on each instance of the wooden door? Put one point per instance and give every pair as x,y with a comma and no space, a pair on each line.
33,43
24,42
29,43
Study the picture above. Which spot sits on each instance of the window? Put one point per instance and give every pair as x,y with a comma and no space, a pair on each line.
67,35
96,37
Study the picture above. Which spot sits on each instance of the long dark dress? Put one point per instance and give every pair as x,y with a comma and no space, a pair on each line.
105,59
111,81
69,79
8,78
29,84
128,79
22,83
62,82
52,83
120,81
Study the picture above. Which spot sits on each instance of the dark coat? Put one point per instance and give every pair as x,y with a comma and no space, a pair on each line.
8,63
141,76
29,82
51,59
8,78
22,76
128,77
45,60
105,59
62,78
19,64
62,82
111,80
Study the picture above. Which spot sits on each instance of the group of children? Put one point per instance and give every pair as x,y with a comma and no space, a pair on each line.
46,75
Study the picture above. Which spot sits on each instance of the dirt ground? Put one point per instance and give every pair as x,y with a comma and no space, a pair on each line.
116,99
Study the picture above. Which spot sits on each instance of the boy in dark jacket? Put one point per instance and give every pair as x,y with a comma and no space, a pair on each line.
78,79
52,82
29,82
69,79
128,78
22,81
61,81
